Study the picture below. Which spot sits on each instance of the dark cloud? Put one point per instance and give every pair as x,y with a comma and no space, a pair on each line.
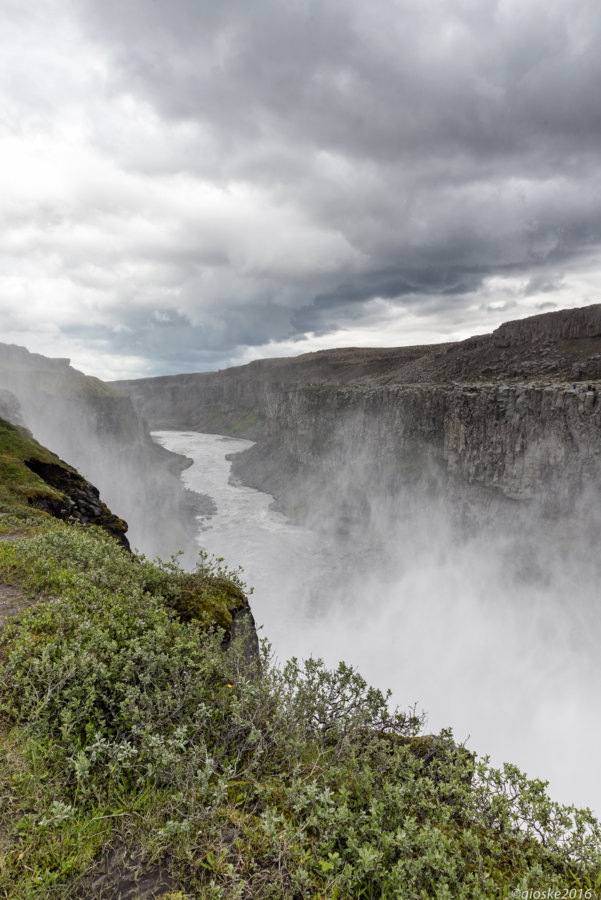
169,338
335,152
544,283
381,82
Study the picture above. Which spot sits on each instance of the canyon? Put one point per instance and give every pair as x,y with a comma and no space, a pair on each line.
497,424
452,492
497,420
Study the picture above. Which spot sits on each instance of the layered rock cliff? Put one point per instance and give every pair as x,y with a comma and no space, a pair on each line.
507,414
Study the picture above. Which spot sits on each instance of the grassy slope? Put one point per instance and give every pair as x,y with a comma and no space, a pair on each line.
26,496
19,486
131,740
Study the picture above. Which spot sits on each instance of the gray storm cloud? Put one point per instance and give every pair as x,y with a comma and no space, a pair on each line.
268,170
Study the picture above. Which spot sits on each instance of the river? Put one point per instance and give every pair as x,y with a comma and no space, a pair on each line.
508,665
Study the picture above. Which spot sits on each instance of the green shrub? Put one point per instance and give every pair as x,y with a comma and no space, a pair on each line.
125,724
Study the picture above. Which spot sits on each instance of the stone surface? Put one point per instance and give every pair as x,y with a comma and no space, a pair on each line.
80,501
122,874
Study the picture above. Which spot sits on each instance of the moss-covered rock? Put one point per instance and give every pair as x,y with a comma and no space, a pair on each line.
200,597
32,479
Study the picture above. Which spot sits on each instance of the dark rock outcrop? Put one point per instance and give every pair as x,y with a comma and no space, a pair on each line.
31,476
243,633
80,500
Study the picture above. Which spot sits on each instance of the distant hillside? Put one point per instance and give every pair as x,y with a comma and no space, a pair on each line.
556,346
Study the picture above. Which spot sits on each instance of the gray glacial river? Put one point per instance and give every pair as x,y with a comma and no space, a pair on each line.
278,558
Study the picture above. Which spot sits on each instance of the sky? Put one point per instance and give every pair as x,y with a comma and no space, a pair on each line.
189,184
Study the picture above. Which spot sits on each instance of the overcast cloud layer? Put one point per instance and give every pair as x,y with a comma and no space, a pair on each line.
188,184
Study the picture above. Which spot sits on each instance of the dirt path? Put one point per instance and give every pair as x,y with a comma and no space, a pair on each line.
12,601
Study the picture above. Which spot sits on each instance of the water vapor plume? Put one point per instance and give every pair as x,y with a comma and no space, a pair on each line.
480,609
96,429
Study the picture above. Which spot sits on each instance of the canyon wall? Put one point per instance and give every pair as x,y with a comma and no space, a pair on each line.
98,430
496,416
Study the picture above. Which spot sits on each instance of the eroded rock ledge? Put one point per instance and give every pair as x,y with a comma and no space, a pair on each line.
80,500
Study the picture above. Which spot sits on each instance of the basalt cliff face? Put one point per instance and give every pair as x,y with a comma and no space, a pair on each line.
98,430
512,416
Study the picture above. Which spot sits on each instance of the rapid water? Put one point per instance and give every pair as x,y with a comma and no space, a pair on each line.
510,665
278,559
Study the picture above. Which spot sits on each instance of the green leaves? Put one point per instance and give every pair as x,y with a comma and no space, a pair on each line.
131,724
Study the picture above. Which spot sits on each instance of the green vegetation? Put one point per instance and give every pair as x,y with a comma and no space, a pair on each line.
128,733
20,488
36,484
244,421
232,422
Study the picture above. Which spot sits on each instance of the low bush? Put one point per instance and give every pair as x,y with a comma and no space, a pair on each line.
124,724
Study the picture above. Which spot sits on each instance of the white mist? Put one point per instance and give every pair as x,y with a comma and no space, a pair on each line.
509,662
